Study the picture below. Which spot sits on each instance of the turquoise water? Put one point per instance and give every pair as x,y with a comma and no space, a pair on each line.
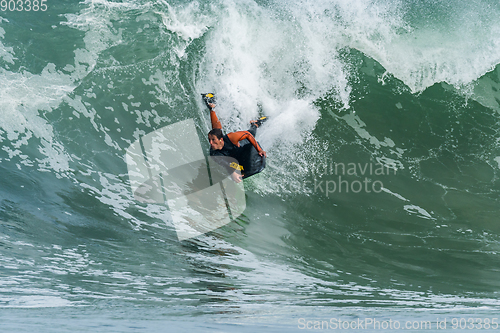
380,199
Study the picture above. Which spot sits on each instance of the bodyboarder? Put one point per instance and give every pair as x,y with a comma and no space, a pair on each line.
229,144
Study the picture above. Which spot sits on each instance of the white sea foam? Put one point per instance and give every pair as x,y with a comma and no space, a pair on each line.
188,22
22,98
457,45
414,209
35,301
25,96
6,52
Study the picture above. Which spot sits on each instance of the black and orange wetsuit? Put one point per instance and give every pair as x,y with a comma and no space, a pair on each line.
232,147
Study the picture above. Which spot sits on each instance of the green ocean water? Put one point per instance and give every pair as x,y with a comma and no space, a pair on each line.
380,199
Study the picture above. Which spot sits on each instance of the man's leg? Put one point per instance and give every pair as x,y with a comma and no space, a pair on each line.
254,124
253,129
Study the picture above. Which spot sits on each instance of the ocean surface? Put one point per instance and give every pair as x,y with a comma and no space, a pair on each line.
379,207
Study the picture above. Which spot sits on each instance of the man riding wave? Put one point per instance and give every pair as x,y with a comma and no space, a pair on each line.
229,145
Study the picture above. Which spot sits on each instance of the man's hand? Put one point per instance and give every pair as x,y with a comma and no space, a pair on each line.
262,153
236,176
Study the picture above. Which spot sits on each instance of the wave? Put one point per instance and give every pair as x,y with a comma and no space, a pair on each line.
408,85
277,59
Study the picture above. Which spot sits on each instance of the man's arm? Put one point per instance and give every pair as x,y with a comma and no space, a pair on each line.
236,137
213,117
228,164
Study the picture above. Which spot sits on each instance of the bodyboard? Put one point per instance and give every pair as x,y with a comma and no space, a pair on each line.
253,163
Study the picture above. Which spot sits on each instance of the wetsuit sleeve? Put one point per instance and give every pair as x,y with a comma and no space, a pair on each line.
215,121
236,137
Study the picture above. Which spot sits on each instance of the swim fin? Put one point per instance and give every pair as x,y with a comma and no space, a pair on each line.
259,121
209,98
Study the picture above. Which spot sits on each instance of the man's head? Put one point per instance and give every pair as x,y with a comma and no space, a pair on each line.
215,138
